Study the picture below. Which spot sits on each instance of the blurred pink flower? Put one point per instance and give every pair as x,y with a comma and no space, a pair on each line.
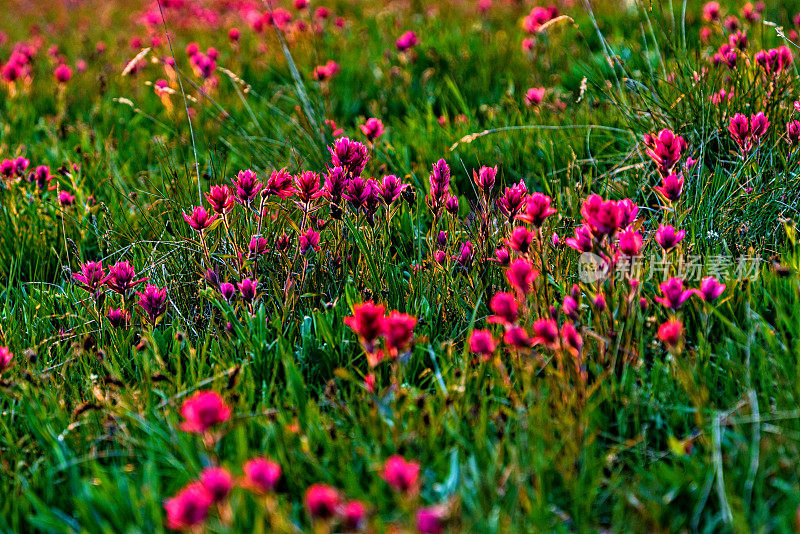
408,40
521,275
322,501
670,333
62,74
401,475
481,342
5,358
188,508
673,294
372,129
534,96
217,481
203,410
261,475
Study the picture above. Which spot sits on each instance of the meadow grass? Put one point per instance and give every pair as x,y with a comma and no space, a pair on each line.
612,423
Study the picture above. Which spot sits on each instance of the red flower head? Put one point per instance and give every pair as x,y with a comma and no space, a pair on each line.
629,211
501,256
721,96
731,23
117,317
220,198
408,40
670,333
481,342
505,309
353,516
247,186
774,61
537,209
546,332
92,276
430,520
306,185
583,241
665,149
21,164
520,240
738,40
153,301
484,179
189,507
335,183
599,302
512,200
667,237
711,11
398,331
571,339
11,72
309,240
739,129
466,255
65,198
42,177
570,307
228,291
357,192
673,294
257,246
758,126
372,129
793,132
280,184
440,186
671,187
521,275
261,475
402,476
367,322
726,55
516,336
533,22
248,289
352,156
324,72
62,74
7,168
202,411
630,242
322,501
217,481
710,289
5,358
746,133
602,216
534,96
451,205
391,188
122,278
